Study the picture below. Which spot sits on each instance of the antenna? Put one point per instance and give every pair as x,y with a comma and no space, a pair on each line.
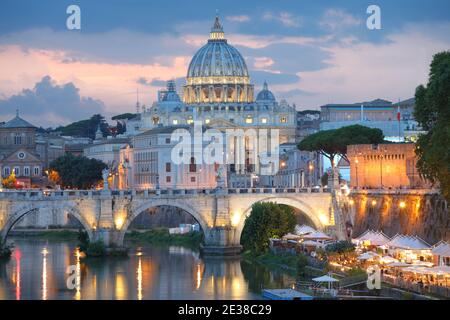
138,106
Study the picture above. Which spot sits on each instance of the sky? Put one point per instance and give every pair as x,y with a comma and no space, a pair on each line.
310,52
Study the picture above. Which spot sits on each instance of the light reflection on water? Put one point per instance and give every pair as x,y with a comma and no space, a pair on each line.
38,270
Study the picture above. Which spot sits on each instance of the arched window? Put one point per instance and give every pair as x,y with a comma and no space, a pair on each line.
17,139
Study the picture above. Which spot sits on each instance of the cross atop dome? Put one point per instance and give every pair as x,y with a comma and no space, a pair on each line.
217,30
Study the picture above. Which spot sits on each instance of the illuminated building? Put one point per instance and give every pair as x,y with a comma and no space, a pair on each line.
384,166
219,94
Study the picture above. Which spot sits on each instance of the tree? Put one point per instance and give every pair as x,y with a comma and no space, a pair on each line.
10,182
86,128
124,116
54,177
432,111
331,143
77,172
266,220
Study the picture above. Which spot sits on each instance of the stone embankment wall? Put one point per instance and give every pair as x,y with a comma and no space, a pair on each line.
425,215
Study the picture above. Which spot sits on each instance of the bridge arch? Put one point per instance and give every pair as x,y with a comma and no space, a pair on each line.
135,212
15,217
306,209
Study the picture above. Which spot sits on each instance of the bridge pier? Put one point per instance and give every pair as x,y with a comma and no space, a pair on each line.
219,241
109,237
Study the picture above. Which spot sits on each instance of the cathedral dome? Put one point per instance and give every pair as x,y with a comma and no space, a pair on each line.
217,61
265,94
170,95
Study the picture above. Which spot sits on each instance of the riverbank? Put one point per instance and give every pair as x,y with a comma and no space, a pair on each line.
162,236
289,263
46,234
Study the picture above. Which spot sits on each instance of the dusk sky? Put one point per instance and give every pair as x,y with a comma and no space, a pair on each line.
310,52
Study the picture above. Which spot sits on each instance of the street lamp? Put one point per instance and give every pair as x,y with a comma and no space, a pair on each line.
311,169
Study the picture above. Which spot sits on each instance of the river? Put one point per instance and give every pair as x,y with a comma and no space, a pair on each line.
38,269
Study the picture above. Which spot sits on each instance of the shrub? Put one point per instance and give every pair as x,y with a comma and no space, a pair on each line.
96,249
5,250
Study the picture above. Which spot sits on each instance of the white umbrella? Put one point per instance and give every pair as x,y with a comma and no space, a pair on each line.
388,259
325,278
398,264
291,236
304,229
367,256
317,236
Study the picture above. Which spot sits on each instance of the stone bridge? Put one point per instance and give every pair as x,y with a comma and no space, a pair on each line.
221,213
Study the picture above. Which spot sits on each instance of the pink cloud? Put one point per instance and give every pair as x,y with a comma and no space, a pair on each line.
114,84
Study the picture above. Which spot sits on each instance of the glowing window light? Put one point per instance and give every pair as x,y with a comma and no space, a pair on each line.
119,222
235,218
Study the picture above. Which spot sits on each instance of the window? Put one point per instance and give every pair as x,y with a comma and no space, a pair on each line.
167,140
192,165
37,171
192,179
6,171
264,120
175,121
26,171
17,171
168,167
249,120
17,139
168,179
283,119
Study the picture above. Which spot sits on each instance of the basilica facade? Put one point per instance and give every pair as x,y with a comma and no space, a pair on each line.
219,94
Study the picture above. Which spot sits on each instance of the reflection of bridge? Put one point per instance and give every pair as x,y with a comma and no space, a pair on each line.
221,213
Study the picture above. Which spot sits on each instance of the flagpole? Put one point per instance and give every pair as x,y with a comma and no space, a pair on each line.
398,119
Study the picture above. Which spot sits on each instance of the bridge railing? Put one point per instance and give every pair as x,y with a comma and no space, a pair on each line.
65,194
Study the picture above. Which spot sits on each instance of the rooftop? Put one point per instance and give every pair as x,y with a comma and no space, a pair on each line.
17,122
371,104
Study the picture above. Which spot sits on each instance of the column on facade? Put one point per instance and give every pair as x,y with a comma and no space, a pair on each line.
236,154
210,93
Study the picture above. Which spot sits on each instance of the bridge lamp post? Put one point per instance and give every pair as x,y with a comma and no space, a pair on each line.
311,168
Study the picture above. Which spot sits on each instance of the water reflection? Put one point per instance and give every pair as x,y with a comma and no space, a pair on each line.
139,276
77,275
44,273
17,279
149,273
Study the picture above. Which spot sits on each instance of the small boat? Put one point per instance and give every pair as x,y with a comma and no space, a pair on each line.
285,294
